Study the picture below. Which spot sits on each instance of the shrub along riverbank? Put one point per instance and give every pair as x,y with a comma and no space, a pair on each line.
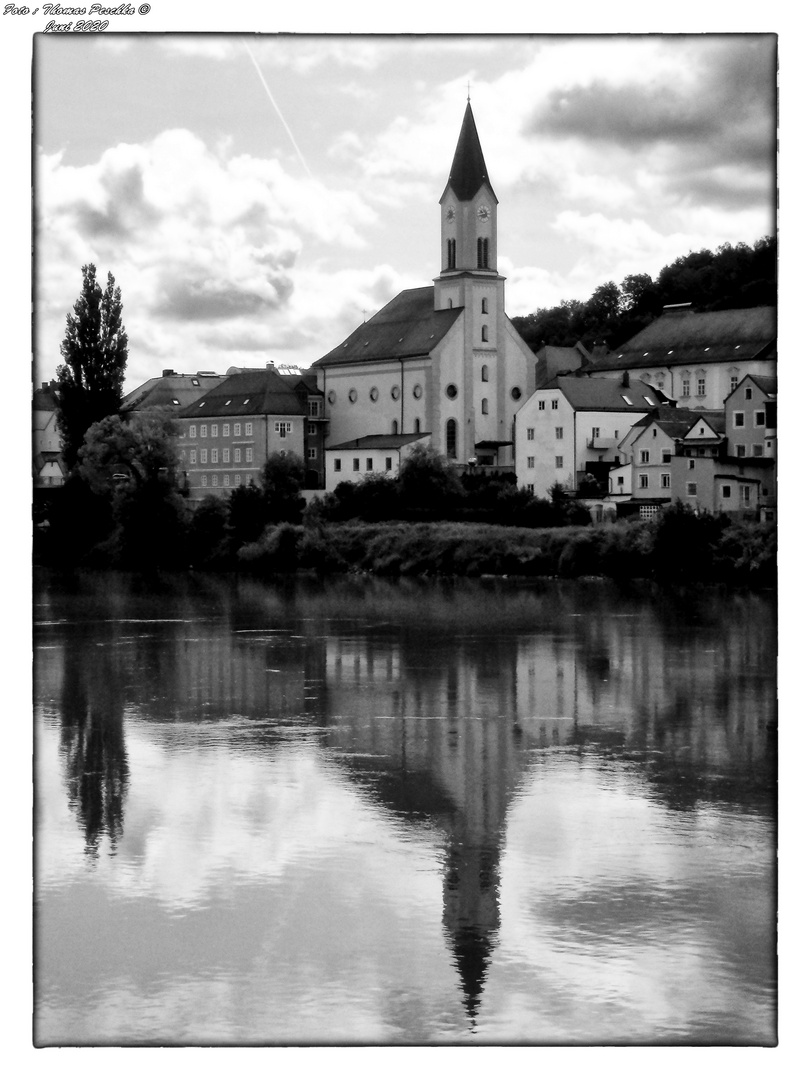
679,546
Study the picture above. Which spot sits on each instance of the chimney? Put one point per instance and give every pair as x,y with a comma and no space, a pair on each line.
270,366
167,371
626,379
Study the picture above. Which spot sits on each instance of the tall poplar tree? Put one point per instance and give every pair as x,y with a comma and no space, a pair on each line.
90,382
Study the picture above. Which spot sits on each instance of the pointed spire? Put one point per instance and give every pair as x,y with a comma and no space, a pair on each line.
468,171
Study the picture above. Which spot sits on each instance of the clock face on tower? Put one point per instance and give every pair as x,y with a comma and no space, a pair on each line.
450,213
483,212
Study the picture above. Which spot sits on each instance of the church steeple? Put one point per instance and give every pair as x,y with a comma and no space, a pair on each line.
469,170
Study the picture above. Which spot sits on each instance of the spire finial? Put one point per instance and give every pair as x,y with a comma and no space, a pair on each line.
468,90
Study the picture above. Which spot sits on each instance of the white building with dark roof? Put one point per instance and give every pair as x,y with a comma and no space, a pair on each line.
443,360
572,427
696,358
370,454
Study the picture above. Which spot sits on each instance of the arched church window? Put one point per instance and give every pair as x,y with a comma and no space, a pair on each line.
451,254
484,373
395,428
485,333
484,306
450,302
483,252
451,439
417,425
484,406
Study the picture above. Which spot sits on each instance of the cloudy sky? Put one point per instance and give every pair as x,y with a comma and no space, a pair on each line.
254,197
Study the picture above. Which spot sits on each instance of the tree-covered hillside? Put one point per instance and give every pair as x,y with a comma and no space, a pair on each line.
733,276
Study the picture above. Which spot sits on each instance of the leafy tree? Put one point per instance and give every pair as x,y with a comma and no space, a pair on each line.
90,382
282,479
427,480
247,515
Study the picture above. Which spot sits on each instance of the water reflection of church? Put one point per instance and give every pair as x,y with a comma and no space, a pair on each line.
434,726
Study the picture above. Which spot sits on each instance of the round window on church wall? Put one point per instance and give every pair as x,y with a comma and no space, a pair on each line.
374,393
352,395
452,391
516,393
331,397
417,391
395,393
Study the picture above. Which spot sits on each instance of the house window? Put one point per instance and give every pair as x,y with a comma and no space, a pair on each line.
238,480
338,464
484,373
215,431
215,480
484,406
759,419
595,433
691,489
192,457
558,462
203,457
757,449
643,480
483,253
282,428
215,456
665,480
203,431
691,463
733,383
558,432
237,454
685,387
701,388
369,464
749,393
226,480
314,408
451,254
541,405
312,453
739,419
451,438
530,488
204,480
356,464
726,491
530,434
249,453
645,457
389,464
312,429
529,462
484,306
484,333
248,429
740,449
192,431
237,430
226,430
746,494
666,457
554,403
226,456
620,481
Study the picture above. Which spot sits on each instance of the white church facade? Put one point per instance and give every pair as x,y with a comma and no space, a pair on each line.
443,361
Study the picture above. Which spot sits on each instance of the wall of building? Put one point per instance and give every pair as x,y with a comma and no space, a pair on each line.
747,429
355,464
718,378
368,399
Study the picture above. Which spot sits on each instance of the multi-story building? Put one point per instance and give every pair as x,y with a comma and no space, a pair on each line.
696,358
572,427
226,436
443,360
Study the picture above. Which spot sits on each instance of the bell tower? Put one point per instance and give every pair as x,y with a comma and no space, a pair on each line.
469,228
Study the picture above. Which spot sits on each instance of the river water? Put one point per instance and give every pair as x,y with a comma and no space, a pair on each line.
372,812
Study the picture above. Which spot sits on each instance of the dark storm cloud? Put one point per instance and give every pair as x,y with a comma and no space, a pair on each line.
125,209
722,105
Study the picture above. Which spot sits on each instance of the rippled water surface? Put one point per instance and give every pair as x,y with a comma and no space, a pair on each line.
365,812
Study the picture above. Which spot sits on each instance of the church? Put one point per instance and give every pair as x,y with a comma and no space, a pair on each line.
440,364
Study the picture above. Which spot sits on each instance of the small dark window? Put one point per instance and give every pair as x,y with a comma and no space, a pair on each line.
451,439
484,333
451,254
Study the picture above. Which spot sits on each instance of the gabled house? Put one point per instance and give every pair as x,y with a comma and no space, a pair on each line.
226,436
696,358
751,418
569,431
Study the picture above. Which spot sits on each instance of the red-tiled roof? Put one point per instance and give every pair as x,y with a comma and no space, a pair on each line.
406,327
688,337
